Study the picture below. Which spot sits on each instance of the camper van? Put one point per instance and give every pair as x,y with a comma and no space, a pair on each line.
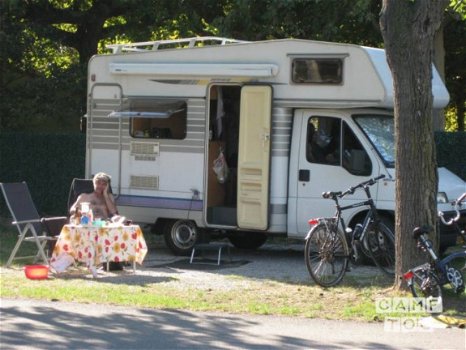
214,136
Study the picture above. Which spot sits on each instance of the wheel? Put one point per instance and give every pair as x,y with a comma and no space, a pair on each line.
455,279
180,236
247,240
326,254
379,242
425,285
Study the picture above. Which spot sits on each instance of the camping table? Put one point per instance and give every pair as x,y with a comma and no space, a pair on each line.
95,245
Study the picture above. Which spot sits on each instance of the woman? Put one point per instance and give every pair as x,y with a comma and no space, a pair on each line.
101,201
102,204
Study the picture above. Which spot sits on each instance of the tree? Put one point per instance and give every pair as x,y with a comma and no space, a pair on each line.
408,29
331,20
455,53
46,45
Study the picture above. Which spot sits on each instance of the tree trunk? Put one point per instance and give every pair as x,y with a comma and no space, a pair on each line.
408,29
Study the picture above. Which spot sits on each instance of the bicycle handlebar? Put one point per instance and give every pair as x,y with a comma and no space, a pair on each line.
460,199
362,185
340,194
456,204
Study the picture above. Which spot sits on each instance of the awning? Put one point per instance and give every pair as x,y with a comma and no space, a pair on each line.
148,108
196,69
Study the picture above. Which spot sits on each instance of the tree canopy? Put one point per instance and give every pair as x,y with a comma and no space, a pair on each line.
46,44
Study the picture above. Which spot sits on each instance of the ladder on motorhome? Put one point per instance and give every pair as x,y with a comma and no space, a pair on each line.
172,44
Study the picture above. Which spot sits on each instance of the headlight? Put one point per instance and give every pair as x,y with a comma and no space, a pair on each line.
442,197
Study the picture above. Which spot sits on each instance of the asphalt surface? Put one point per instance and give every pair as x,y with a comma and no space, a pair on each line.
32,324
27,324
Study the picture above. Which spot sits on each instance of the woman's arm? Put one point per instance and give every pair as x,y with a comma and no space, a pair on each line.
76,204
110,202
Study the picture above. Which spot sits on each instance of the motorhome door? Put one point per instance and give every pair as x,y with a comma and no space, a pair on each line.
254,157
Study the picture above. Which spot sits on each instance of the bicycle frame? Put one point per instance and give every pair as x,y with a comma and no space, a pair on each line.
327,250
371,215
439,266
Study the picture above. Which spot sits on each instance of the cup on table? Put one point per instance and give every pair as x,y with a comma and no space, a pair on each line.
98,222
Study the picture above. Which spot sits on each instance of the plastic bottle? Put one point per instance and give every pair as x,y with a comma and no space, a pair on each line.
77,216
357,231
84,219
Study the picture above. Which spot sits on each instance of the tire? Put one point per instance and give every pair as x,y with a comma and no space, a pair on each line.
380,244
247,240
455,279
326,254
425,284
180,236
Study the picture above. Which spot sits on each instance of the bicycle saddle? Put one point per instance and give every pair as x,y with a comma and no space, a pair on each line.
418,231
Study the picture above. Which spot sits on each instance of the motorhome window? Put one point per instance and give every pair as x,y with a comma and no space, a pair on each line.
355,158
157,119
380,130
323,140
317,71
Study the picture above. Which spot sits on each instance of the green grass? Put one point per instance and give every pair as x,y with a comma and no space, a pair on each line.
353,299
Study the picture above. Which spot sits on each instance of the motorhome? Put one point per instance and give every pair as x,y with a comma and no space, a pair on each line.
213,135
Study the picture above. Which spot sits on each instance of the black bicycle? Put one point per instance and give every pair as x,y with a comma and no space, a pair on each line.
427,280
327,252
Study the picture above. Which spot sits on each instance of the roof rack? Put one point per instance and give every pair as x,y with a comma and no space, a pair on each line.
170,44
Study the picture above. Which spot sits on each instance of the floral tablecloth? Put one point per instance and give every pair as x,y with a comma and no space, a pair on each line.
94,245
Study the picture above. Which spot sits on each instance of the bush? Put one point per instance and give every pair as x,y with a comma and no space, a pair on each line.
451,151
47,162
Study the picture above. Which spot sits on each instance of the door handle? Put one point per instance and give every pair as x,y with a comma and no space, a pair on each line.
265,138
304,175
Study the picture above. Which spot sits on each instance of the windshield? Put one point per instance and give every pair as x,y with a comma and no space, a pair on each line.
380,130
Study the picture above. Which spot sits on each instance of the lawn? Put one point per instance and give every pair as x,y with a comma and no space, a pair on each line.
354,299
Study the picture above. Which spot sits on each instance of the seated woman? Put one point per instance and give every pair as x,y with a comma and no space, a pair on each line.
101,201
102,204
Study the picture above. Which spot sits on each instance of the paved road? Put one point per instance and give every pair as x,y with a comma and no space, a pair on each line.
27,324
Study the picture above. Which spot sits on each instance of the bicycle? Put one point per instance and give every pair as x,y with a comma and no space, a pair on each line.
326,250
427,280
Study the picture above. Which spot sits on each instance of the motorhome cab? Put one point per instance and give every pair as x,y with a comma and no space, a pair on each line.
214,135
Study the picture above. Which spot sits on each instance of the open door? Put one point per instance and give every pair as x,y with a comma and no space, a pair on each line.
254,157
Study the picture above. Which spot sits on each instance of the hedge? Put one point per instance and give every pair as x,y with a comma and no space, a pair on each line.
49,162
451,152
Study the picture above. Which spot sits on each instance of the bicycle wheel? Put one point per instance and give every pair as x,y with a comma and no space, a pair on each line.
326,254
379,242
455,279
425,284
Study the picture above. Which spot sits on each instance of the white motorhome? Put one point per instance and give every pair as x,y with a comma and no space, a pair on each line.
291,118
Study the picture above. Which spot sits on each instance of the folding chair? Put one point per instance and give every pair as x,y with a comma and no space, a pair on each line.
79,186
30,225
